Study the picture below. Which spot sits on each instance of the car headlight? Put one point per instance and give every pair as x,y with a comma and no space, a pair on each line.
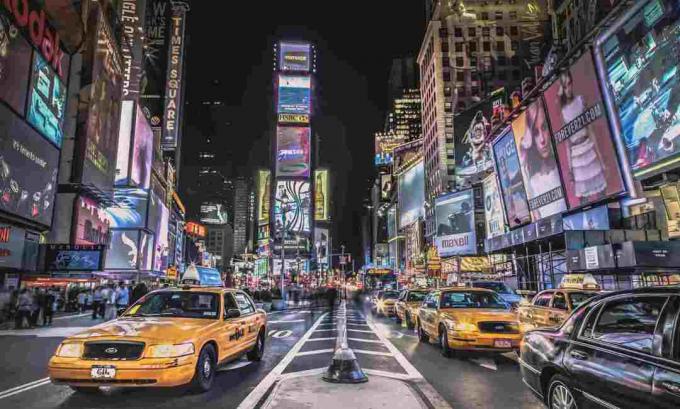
70,350
460,326
170,351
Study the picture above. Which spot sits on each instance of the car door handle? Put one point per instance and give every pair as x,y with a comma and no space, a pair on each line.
671,386
578,355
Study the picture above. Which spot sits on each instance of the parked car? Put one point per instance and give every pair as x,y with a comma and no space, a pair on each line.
508,295
468,319
406,307
617,350
385,303
550,308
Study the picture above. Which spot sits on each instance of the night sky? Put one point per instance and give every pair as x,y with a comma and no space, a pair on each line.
356,41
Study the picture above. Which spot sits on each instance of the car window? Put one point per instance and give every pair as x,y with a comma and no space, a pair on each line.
183,304
229,303
416,295
629,322
543,300
560,301
390,295
244,305
472,299
579,298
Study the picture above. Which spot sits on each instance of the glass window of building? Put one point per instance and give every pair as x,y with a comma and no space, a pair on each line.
514,30
461,91
486,46
514,45
486,31
499,15
443,32
459,47
472,32
513,15
460,62
500,45
485,15
458,32
445,46
460,76
499,31
472,46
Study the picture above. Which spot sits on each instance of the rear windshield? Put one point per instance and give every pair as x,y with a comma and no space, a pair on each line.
416,295
391,295
472,299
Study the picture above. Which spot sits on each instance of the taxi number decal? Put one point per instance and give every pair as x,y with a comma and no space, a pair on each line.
237,334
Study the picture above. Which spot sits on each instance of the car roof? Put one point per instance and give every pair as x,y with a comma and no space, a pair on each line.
464,289
199,289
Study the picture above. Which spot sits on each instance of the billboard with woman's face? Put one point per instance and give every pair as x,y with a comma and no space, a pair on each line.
538,163
510,179
584,145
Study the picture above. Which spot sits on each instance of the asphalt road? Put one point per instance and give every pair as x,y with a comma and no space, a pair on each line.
298,342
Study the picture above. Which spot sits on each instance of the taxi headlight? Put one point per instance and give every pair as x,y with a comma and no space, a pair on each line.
70,350
170,351
460,326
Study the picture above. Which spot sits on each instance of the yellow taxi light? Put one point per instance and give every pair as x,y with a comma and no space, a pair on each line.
70,350
170,351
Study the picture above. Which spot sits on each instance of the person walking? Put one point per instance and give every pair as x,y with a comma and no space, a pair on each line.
122,298
332,295
96,302
24,307
109,298
138,291
48,307
81,301
35,308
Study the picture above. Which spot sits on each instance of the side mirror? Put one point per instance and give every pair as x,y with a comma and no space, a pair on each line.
233,313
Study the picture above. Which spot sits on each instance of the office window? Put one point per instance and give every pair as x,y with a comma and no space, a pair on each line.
460,76
513,15
473,61
472,46
514,30
472,32
485,15
443,32
458,32
499,15
445,46
461,91
514,45
459,47
500,45
499,31
447,76
446,62
486,31
486,46
447,91
460,62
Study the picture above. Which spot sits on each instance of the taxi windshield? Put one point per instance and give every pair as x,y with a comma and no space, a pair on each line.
183,304
472,299
390,295
579,298
417,296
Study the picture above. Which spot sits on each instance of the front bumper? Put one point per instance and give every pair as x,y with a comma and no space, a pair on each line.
477,341
147,372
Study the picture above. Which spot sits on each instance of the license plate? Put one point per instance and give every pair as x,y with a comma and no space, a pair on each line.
502,343
103,372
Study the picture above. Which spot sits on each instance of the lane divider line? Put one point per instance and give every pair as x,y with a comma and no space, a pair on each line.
370,341
24,388
284,321
320,339
365,352
315,352
363,331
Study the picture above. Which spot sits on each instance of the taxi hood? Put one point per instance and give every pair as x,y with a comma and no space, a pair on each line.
475,315
167,329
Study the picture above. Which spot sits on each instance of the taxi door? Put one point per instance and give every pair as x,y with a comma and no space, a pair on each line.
247,319
229,334
428,313
560,309
540,311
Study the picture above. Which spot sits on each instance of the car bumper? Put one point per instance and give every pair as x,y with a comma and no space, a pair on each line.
483,342
140,373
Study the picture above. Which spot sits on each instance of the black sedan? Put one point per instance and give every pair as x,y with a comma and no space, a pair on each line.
618,350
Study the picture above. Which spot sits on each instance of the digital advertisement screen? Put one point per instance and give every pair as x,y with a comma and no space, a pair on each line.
12,245
214,213
264,183
493,207
411,195
162,249
292,152
510,179
294,57
455,221
386,187
321,195
142,153
146,251
28,170
123,251
538,162
92,222
130,210
471,127
596,218
585,151
392,222
640,59
73,258
292,207
321,243
47,101
15,65
295,95
127,112
385,143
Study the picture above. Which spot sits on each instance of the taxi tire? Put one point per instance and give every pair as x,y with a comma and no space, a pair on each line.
409,323
86,390
200,383
447,352
257,351
422,335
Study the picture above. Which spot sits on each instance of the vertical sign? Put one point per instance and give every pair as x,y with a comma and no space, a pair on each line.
321,195
132,17
173,87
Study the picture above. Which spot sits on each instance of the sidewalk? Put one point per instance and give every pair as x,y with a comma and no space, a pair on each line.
59,320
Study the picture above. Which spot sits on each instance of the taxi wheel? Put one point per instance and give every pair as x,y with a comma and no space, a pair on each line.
560,395
422,335
409,323
256,353
205,370
89,390
444,344
397,319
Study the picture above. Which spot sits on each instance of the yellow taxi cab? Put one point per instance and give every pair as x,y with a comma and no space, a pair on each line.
406,307
384,303
170,337
550,308
468,319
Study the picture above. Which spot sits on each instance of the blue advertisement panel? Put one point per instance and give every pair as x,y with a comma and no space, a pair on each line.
73,258
411,195
131,210
455,221
510,178
48,101
292,152
294,94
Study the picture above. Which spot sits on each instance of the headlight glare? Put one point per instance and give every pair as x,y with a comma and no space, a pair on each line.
70,350
170,351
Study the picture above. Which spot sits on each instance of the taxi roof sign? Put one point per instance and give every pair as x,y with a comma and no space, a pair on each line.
579,282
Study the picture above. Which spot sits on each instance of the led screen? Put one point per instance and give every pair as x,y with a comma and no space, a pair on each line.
15,65
123,251
146,251
294,57
263,196
162,249
48,101
28,170
455,224
585,151
124,137
640,60
142,153
411,195
292,207
130,209
12,246
510,179
596,218
213,213
321,242
538,162
321,195
92,222
471,128
292,152
493,208
65,258
294,95
385,143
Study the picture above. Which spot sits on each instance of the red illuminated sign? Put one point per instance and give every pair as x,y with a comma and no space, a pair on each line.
195,229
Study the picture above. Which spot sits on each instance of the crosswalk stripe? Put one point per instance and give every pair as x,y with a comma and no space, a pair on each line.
365,352
370,341
359,330
316,352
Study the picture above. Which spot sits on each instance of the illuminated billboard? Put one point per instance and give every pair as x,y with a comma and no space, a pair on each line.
302,119
73,258
292,152
264,183
493,208
385,143
585,151
321,195
47,101
15,60
162,248
295,57
213,213
640,54
292,207
127,112
538,162
455,224
28,170
92,222
411,195
142,152
321,243
130,210
510,178
123,250
294,94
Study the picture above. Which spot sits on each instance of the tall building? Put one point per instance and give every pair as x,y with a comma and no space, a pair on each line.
403,75
243,210
404,119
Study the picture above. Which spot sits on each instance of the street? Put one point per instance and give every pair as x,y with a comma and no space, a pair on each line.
299,342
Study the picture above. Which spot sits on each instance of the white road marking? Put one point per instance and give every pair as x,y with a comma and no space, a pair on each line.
50,332
282,334
394,375
315,352
371,341
256,394
485,363
309,372
284,321
359,330
324,330
408,367
23,388
365,352
320,339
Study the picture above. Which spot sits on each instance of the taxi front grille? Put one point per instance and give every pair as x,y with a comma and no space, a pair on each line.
113,351
498,327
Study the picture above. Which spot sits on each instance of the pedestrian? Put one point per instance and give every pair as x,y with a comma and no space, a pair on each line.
109,298
24,306
35,309
96,302
138,292
122,298
331,295
81,301
48,308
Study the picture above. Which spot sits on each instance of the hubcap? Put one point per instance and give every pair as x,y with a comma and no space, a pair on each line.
562,398
207,368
